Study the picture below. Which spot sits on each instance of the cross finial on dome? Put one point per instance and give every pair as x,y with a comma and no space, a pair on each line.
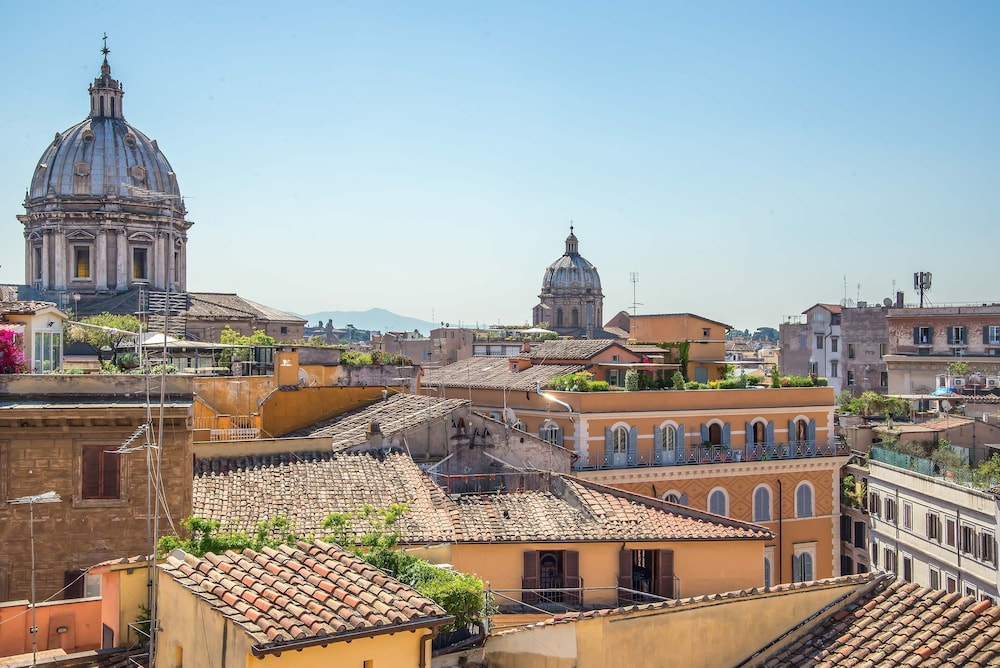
105,50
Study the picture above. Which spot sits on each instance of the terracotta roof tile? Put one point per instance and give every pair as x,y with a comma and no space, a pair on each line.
494,372
230,583
306,487
901,624
397,412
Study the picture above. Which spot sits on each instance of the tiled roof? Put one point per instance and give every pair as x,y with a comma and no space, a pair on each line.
902,625
306,487
23,307
494,373
568,349
395,413
583,513
293,597
618,332
218,304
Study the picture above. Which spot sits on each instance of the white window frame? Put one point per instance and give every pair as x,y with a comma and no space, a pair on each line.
907,515
725,497
800,550
950,582
934,577
969,589
757,516
890,559
905,563
799,514
769,566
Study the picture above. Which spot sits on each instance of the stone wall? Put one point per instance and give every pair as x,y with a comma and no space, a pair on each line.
868,331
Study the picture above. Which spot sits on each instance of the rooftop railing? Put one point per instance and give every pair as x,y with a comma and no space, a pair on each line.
723,454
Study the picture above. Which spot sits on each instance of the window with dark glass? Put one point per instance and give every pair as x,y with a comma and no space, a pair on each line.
100,473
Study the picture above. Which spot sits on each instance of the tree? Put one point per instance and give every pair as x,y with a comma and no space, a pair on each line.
231,337
11,356
632,380
678,381
107,330
958,369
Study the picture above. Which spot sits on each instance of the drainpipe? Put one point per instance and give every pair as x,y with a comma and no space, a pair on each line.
538,391
423,645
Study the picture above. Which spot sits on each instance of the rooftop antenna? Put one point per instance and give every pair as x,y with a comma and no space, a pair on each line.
922,284
634,277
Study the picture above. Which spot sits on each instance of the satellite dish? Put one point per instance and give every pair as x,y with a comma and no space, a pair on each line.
887,302
946,405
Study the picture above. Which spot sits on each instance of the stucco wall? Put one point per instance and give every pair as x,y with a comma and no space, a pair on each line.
708,634
81,619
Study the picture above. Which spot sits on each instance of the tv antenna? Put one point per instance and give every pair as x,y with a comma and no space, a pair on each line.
922,284
634,277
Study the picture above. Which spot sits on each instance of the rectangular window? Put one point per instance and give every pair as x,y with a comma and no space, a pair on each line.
933,527
835,319
874,554
956,336
992,333
907,515
923,335
81,262
950,583
859,535
100,472
883,349
889,559
907,568
890,510
987,547
819,342
852,351
706,331
833,368
970,590
968,539
140,267
802,342
935,578
874,504
36,254
833,344
883,379
850,378
949,532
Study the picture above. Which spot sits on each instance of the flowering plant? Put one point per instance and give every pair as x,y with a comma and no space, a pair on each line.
11,355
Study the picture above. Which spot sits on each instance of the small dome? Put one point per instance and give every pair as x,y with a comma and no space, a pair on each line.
571,273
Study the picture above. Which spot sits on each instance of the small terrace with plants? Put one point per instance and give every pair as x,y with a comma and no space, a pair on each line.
943,462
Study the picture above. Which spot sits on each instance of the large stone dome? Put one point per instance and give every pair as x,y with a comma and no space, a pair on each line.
104,155
571,301
103,213
571,273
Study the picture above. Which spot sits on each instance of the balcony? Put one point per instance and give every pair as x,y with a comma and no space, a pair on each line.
721,454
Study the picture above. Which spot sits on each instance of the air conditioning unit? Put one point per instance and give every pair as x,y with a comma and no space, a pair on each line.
991,381
993,352
958,382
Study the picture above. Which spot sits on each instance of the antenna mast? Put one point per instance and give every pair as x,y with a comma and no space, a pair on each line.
634,277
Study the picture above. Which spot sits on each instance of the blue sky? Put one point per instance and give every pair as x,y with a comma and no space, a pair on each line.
427,158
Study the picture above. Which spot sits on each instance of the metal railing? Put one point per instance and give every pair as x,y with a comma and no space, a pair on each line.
548,601
723,454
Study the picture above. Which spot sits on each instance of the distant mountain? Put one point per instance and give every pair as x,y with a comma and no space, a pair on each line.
374,318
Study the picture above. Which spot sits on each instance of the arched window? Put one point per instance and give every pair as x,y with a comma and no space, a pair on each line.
669,441
718,502
620,446
801,431
759,432
673,496
575,315
762,504
715,433
804,500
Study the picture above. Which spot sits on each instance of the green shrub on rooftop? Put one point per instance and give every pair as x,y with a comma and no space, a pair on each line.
581,381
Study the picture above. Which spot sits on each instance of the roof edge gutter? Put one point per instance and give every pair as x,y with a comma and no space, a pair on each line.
434,623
